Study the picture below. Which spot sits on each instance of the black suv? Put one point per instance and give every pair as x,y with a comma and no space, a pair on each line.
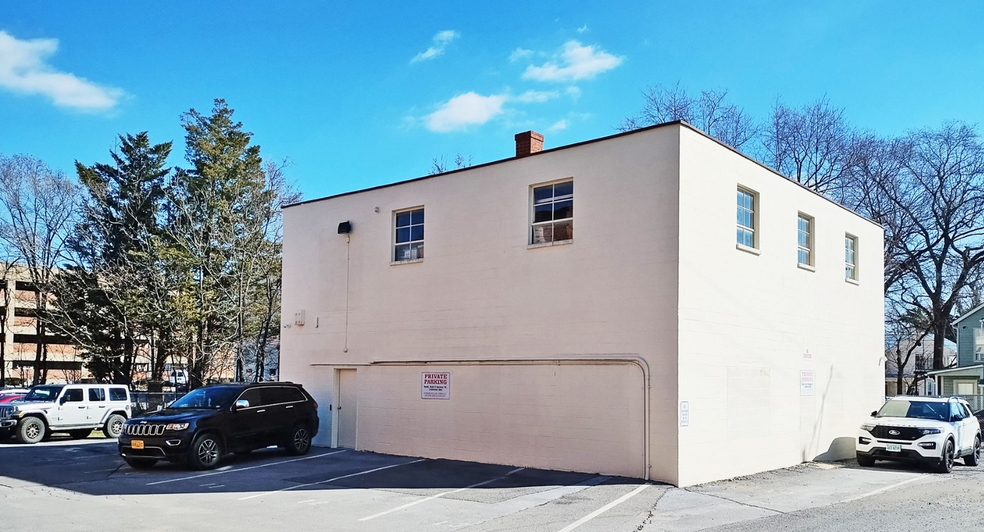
205,424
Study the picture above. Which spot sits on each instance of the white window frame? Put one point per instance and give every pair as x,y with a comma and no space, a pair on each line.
754,210
532,213
851,268
810,249
978,344
394,244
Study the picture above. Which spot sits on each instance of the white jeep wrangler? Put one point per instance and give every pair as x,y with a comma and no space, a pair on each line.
72,408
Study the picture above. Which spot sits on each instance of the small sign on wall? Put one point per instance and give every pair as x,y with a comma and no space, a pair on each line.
807,381
684,413
435,385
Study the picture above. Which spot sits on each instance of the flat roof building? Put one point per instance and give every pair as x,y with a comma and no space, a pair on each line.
652,304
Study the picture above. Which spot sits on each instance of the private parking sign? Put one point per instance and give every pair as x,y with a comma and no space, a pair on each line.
435,385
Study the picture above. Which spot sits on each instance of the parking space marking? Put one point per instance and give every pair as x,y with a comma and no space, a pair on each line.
883,488
331,479
439,495
604,508
203,475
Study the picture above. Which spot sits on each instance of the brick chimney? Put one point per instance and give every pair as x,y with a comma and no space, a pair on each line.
528,143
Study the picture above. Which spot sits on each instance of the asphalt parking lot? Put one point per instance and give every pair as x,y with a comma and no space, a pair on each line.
68,485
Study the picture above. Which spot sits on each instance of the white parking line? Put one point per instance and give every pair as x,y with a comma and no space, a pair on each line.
604,509
883,488
439,495
330,479
242,469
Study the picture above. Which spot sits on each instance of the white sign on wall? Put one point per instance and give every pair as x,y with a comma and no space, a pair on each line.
807,381
684,413
435,385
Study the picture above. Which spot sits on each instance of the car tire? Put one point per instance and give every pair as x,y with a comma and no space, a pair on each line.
865,460
945,465
298,440
140,463
31,430
205,452
114,426
80,434
974,457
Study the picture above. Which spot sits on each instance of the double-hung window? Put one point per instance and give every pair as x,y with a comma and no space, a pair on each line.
804,240
409,235
553,213
850,258
746,217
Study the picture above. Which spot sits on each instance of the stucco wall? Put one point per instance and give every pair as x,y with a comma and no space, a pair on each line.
482,293
749,324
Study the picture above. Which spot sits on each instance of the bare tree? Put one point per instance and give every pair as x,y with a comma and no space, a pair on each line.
439,165
811,145
708,112
39,205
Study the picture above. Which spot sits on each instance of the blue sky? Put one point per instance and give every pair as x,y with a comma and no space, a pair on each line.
358,94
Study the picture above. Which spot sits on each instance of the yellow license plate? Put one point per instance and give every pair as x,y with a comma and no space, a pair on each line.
136,444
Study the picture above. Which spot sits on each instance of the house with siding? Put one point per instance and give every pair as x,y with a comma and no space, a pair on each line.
967,377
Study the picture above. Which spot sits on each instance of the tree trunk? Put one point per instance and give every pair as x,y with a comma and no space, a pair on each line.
939,334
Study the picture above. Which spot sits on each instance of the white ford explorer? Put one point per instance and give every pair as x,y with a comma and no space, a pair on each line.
930,430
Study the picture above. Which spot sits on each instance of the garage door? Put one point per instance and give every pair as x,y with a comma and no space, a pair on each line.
571,417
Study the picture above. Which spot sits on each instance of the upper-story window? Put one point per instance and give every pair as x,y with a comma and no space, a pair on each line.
851,257
979,344
746,217
409,235
804,240
553,213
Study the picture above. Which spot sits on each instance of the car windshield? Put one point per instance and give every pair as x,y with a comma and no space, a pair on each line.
915,409
213,398
43,393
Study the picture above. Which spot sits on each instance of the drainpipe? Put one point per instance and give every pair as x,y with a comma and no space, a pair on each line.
540,361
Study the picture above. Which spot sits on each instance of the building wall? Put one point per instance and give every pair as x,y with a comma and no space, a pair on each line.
482,293
965,338
749,324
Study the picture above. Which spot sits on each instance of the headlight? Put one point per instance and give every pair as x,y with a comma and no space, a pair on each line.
929,431
176,426
868,427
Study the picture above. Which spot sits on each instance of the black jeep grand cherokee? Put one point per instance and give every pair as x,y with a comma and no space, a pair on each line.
205,424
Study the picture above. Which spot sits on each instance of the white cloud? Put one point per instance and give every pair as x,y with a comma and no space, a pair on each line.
582,29
441,41
24,69
520,53
535,96
574,92
575,62
559,125
465,110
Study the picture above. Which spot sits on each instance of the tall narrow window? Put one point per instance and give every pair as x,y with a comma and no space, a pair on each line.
409,243
850,257
746,217
553,213
804,242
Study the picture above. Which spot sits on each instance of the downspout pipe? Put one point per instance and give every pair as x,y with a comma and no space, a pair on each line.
595,360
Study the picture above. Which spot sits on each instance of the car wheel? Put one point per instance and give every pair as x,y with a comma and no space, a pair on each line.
140,463
80,434
865,460
945,464
114,426
205,452
974,457
298,440
31,430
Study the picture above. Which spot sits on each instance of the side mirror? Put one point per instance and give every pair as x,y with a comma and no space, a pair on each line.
63,400
241,403
874,414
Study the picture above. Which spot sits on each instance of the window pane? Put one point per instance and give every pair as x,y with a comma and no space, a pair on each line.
564,190
542,213
541,194
97,394
403,235
804,257
416,232
402,252
563,209
417,251
542,234
417,216
403,219
563,230
804,239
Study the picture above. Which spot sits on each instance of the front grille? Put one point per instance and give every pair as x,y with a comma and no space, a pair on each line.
904,433
6,411
144,430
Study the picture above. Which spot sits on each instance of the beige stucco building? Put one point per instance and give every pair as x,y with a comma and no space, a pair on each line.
592,307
